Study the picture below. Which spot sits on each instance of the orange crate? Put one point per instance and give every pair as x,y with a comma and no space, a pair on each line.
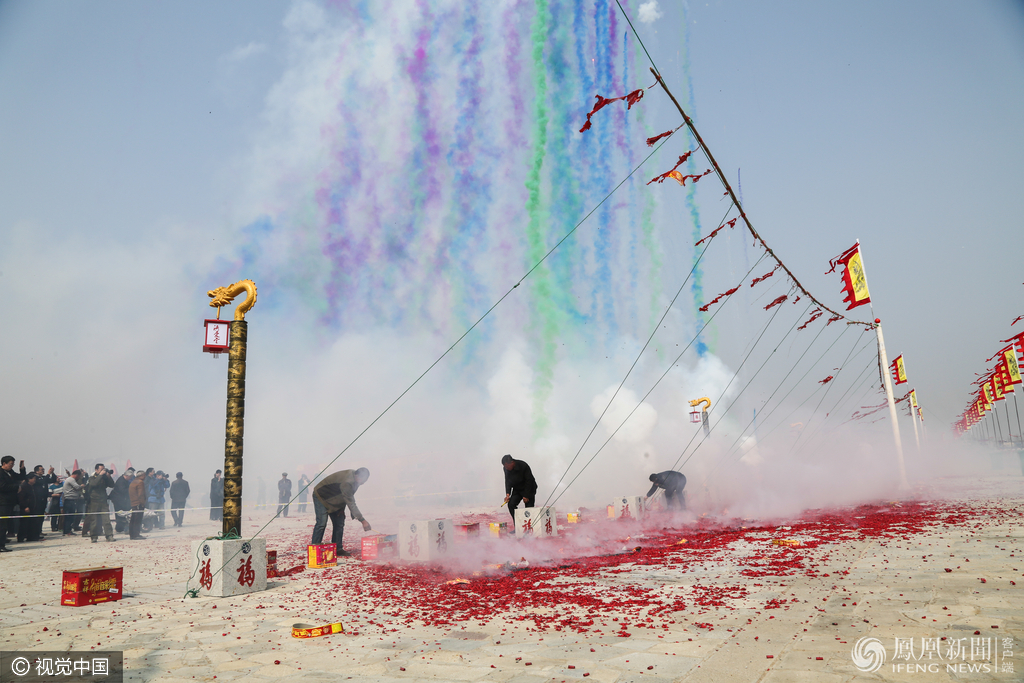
323,556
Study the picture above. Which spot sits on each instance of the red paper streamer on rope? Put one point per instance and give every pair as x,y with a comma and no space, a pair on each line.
833,319
1019,317
602,102
817,313
730,224
776,302
730,292
682,160
651,141
826,380
765,276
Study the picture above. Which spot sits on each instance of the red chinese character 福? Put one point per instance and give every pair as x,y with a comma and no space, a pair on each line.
205,575
246,575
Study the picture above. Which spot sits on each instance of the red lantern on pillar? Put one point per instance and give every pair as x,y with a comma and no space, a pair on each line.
216,336
695,417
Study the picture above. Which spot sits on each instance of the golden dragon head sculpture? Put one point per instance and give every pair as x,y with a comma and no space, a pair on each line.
697,401
222,296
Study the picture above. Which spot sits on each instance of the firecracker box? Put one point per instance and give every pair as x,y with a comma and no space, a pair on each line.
271,564
630,507
573,518
788,542
90,586
322,556
611,512
379,546
424,541
223,568
498,529
536,522
464,532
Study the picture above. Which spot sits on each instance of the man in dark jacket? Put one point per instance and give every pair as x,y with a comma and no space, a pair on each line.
43,481
137,496
284,494
30,503
9,483
330,497
121,500
216,497
98,507
520,486
673,482
179,494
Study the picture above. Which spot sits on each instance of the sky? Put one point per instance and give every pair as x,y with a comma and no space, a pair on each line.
386,172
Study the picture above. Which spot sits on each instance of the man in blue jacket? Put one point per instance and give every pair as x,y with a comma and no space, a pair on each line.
156,484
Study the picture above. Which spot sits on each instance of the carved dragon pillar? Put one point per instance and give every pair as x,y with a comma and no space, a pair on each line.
234,426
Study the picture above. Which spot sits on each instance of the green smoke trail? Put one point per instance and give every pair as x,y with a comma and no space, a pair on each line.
544,316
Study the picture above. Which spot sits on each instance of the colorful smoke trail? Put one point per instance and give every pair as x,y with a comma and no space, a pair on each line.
447,162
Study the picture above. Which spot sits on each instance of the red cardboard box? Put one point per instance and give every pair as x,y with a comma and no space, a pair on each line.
379,546
322,556
464,532
92,585
271,564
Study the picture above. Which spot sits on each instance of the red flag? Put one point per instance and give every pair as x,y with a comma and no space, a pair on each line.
667,174
651,141
708,305
855,284
765,276
74,468
602,102
714,232
815,314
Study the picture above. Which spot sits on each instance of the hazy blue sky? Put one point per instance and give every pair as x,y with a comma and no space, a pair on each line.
137,140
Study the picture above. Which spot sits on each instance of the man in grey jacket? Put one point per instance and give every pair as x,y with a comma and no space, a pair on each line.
74,502
330,498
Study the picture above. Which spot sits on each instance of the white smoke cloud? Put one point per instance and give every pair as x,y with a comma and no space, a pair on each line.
650,12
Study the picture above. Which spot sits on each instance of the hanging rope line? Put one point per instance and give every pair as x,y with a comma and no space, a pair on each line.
630,370
696,448
671,365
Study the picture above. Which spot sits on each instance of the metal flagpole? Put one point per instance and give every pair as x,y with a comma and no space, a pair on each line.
883,359
913,418
995,414
1016,409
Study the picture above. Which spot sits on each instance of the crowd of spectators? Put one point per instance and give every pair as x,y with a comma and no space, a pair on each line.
80,502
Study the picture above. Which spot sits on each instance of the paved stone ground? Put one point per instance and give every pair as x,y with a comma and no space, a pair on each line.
894,587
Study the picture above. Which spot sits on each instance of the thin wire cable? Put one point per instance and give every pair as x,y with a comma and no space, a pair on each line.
676,464
783,381
649,391
828,388
636,360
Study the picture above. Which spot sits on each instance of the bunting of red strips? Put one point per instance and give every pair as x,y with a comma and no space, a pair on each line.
826,380
776,302
833,319
705,307
765,276
1019,317
602,102
730,224
668,174
681,179
652,141
817,313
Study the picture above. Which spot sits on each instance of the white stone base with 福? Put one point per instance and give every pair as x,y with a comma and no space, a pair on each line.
425,540
229,567
630,507
536,522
